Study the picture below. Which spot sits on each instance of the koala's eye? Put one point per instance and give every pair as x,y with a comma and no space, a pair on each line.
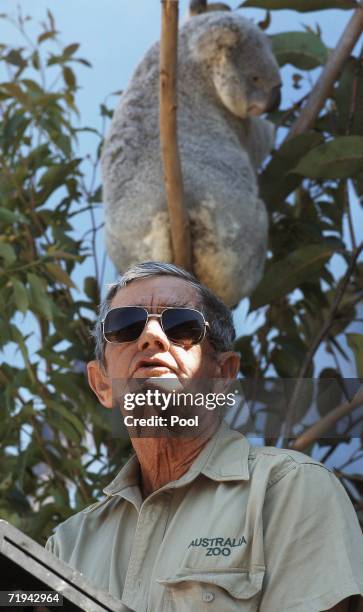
255,79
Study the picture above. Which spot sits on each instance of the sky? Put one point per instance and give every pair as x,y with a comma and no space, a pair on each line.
114,36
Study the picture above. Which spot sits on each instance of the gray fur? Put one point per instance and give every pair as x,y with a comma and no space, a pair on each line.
221,145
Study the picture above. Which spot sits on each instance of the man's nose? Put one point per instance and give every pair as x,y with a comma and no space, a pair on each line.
153,336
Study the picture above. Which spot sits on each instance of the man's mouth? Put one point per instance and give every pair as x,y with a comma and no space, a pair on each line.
153,366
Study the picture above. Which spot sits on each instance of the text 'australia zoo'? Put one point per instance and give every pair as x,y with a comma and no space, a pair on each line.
218,546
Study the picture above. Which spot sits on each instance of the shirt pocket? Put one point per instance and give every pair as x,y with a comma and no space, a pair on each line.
229,590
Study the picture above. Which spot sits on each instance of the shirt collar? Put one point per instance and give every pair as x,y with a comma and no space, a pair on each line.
228,457
224,458
128,476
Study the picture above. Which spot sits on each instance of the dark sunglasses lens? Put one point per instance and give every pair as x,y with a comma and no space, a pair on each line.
124,324
183,326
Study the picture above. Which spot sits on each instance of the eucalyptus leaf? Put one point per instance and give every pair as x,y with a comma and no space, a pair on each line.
337,159
355,342
305,50
330,391
45,36
69,77
71,49
8,216
38,298
277,181
68,415
349,98
56,175
20,295
287,274
60,275
7,252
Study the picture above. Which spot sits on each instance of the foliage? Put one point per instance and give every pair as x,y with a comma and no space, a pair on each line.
51,428
313,188
57,453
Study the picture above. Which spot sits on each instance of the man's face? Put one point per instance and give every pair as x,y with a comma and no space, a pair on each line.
154,294
123,360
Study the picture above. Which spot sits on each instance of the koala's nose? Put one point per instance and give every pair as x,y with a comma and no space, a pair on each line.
275,99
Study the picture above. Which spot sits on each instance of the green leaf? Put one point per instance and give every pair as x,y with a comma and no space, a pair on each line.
60,275
35,60
303,6
69,77
46,35
8,216
56,175
66,414
51,19
13,131
330,391
355,342
277,181
20,295
336,159
15,91
7,253
38,157
90,287
83,61
304,50
285,275
5,332
70,49
38,296
17,336
106,112
249,364
15,58
349,98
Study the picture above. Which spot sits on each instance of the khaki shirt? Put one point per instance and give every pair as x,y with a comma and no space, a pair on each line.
244,529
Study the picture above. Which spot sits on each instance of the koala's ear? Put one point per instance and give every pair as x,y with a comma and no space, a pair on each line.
206,46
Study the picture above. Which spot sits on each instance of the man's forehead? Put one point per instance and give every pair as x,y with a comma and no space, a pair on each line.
157,292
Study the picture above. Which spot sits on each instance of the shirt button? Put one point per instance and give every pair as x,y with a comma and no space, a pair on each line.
207,596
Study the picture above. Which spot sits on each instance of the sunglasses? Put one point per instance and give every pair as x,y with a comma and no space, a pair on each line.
184,326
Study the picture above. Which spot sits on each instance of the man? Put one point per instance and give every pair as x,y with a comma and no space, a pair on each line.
204,523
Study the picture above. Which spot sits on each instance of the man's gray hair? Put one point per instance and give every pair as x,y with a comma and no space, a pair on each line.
221,332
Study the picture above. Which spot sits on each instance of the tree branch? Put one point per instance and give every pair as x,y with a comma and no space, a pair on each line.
318,429
178,216
329,74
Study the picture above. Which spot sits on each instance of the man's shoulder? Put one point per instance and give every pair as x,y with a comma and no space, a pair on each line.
72,525
276,463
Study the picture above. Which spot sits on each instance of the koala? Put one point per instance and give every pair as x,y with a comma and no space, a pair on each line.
197,7
227,77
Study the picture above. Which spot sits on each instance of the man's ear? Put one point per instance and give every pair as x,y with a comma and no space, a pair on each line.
228,364
100,383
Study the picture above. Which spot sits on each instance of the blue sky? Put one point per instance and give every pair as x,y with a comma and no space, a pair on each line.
115,35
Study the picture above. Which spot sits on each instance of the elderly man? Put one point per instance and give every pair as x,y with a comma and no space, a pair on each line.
204,522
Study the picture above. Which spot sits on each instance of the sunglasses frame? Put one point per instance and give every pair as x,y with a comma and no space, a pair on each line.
158,316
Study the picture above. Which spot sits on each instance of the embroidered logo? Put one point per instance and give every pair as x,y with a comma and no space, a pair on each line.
217,546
